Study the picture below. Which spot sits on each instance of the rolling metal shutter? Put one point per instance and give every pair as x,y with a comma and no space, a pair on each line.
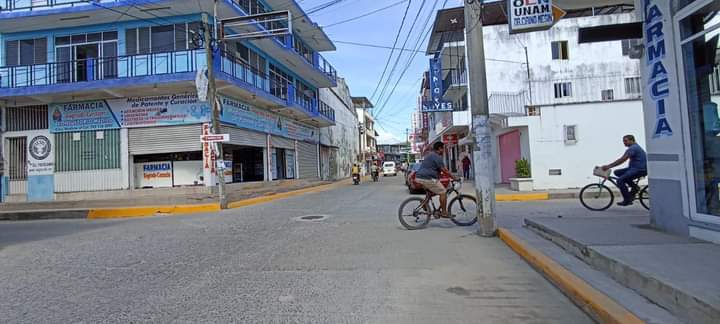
308,160
244,137
167,139
282,142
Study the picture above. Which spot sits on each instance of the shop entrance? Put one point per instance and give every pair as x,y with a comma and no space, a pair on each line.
247,164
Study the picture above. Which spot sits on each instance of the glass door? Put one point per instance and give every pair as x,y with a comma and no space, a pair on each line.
699,30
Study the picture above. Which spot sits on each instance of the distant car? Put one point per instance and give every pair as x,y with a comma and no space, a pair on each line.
389,168
416,188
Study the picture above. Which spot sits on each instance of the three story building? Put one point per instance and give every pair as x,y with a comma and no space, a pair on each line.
99,96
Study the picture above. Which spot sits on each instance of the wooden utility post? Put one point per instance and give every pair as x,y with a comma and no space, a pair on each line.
483,162
212,98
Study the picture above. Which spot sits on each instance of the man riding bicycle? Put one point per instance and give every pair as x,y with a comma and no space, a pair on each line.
637,168
431,168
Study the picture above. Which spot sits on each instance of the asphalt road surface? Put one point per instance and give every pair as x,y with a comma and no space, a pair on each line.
261,265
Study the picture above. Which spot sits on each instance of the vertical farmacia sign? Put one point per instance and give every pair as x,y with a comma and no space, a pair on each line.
529,15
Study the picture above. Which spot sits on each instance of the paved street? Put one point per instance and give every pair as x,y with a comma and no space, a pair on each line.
260,265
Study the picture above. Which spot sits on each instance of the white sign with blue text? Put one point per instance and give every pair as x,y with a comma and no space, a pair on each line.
658,79
529,15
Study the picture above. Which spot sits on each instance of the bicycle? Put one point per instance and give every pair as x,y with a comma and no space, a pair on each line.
594,196
419,211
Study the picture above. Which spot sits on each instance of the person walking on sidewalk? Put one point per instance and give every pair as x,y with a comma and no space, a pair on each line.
466,167
637,168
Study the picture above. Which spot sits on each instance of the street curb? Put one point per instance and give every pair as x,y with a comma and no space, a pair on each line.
162,210
596,304
523,197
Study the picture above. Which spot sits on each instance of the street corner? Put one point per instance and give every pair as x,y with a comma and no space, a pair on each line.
601,307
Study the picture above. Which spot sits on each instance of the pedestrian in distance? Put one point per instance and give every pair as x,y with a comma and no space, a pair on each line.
466,167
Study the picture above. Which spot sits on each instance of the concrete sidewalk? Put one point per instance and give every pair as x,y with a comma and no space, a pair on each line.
677,273
155,202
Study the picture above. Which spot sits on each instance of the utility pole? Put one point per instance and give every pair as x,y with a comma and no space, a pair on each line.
207,41
483,163
407,148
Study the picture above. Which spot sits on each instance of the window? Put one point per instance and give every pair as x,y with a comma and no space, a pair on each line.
26,118
607,95
631,48
700,61
563,90
26,52
560,50
157,39
570,134
632,86
252,58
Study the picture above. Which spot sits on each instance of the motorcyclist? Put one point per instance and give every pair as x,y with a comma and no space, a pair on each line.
374,171
356,170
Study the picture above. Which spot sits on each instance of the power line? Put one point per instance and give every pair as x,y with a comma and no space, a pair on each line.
397,59
397,37
365,14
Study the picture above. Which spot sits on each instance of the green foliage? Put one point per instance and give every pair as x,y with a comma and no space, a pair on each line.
522,168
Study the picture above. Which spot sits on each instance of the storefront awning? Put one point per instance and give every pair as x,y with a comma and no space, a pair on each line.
460,130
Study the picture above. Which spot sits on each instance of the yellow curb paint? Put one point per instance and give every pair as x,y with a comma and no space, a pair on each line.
523,197
151,211
598,305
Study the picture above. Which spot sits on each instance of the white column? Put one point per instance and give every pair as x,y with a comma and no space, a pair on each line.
125,165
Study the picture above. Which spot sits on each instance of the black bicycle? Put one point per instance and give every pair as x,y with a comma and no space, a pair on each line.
416,213
598,197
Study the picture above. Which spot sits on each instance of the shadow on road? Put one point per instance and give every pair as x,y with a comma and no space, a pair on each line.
18,232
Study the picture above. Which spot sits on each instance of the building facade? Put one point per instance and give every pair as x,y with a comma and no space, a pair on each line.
101,96
340,143
561,105
368,134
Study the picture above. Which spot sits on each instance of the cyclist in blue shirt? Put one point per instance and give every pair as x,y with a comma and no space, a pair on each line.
637,168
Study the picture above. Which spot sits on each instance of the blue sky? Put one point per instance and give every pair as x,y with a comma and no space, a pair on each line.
363,66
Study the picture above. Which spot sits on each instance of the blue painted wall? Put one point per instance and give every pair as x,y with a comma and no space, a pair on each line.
41,188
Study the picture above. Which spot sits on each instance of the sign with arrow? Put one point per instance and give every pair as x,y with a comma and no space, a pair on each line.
532,15
214,138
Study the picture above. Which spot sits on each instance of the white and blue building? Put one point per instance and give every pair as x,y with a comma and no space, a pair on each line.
100,96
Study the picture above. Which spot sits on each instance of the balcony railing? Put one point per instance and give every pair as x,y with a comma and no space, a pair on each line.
326,111
17,5
105,68
454,78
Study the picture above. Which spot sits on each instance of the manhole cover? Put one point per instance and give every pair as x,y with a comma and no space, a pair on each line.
311,218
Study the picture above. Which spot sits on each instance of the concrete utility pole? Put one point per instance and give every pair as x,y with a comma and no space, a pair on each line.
207,41
483,163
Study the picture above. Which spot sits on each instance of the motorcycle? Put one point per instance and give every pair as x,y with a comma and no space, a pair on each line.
375,176
356,179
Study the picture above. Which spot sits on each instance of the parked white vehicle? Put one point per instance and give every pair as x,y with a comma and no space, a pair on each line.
389,168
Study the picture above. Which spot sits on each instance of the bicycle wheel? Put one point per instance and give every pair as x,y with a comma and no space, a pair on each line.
596,197
644,197
413,215
463,209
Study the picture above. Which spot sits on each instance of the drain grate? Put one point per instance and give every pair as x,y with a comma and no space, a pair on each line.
311,218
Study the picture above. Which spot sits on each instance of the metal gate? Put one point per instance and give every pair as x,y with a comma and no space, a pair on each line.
244,137
17,165
167,139
308,160
282,142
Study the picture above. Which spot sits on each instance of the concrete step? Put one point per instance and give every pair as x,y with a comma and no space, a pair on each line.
676,273
631,300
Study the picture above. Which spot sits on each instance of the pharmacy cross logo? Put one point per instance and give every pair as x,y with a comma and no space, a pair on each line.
40,147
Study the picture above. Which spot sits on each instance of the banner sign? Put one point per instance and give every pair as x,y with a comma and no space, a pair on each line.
450,139
240,114
163,110
437,106
657,77
40,154
532,15
436,81
81,116
154,174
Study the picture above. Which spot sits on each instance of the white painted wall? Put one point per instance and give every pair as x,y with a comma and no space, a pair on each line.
600,128
344,135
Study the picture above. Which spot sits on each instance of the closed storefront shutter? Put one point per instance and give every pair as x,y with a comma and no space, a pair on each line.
244,137
308,160
282,142
167,139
